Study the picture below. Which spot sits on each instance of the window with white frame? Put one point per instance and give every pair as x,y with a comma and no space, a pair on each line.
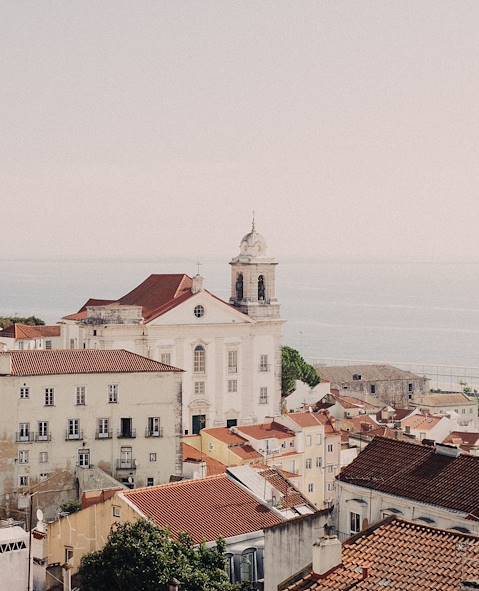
263,363
309,464
43,430
23,456
44,476
330,468
199,388
150,481
331,486
309,440
229,566
154,427
48,344
319,462
199,311
80,395
330,447
116,511
152,456
43,457
248,567
310,487
263,395
232,385
72,343
73,431
199,359
103,428
232,361
24,392
84,458
24,431
112,393
49,396
23,481
318,439
354,522
165,358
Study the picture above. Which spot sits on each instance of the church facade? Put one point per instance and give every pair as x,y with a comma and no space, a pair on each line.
230,351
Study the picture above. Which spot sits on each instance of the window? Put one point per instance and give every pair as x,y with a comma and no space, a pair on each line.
72,343
112,393
49,397
330,468
44,476
48,344
199,311
126,457
42,430
463,411
263,395
24,392
103,428
232,385
410,387
239,287
43,458
154,427
23,481
261,289
330,447
199,388
318,439
310,487
80,395
152,456
116,511
263,363
354,522
229,567
199,359
373,389
198,422
24,432
309,440
319,462
231,423
94,332
309,464
73,431
21,345
68,554
126,428
23,456
166,358
150,481
84,458
356,376
232,361
248,566
331,486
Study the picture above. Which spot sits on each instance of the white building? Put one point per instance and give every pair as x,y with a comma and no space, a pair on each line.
231,352
25,336
14,559
64,411
427,485
455,404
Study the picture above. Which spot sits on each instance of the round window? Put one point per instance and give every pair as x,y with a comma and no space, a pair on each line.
199,311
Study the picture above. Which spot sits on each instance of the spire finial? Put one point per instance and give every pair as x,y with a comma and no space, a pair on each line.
252,223
198,265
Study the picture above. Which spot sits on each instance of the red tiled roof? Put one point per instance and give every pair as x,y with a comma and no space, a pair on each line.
206,509
266,431
417,472
73,361
239,445
422,422
27,331
399,556
311,419
463,438
352,402
213,467
359,424
291,495
100,497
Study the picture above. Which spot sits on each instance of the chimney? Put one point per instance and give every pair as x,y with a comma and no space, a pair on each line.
326,554
197,284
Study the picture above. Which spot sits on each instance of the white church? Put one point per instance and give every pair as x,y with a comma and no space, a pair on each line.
230,352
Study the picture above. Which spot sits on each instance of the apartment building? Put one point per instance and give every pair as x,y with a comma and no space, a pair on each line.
68,410
26,336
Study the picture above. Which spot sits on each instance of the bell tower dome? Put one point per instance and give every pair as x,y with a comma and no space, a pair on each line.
253,289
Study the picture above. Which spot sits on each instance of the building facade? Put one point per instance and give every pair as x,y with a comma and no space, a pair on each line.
64,411
231,352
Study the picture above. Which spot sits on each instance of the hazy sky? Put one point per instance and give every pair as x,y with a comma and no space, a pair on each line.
154,128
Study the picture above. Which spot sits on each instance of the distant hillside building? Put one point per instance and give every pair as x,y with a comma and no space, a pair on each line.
454,404
230,351
25,336
390,384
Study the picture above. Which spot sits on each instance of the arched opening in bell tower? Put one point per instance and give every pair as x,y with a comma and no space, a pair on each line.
261,289
239,287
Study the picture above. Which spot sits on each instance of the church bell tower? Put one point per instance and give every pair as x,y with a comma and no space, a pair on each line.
253,289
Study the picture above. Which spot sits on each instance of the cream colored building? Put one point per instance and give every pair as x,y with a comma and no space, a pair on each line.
69,410
231,352
25,336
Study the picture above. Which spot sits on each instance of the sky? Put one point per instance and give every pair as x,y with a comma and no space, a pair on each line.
154,128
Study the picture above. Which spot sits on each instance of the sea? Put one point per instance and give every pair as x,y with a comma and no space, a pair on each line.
412,313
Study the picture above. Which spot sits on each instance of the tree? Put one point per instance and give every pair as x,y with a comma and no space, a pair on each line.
294,367
143,557
30,320
70,506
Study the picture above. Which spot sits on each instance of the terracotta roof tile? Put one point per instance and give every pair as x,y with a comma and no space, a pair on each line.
206,509
239,445
213,467
390,552
422,422
73,361
417,472
446,399
27,331
266,431
292,497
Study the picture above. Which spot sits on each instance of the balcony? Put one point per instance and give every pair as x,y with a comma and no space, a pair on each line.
104,434
127,434
154,432
73,436
43,436
24,437
126,464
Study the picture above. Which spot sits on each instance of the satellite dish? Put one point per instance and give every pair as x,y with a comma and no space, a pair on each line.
130,479
39,515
